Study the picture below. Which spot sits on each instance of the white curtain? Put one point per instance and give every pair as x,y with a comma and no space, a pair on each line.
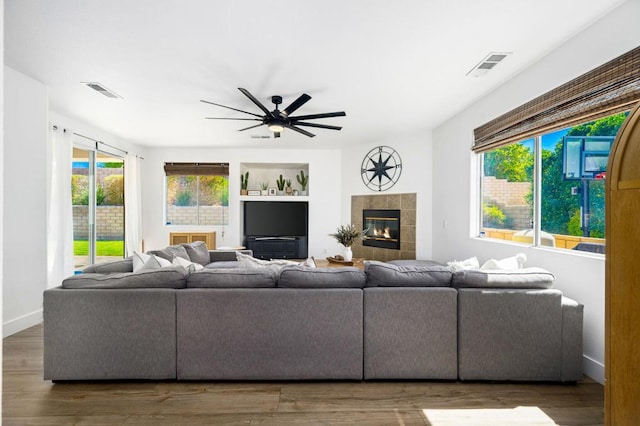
133,204
59,208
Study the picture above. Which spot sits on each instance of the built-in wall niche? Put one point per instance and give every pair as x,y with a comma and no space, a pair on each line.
266,174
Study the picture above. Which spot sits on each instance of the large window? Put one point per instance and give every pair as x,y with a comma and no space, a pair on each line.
571,169
197,194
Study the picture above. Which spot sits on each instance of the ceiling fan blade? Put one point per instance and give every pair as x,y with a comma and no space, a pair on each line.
276,134
321,126
302,99
256,101
322,115
228,118
228,107
304,132
251,127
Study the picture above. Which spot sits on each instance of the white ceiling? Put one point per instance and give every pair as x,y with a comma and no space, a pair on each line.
396,67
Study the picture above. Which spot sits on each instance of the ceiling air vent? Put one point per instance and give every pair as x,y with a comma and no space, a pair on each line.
98,87
487,64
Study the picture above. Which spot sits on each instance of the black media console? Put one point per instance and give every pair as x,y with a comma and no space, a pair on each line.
278,247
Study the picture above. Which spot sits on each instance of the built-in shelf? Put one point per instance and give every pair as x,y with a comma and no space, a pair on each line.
268,173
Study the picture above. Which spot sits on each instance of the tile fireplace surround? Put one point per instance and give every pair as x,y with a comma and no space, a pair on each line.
406,203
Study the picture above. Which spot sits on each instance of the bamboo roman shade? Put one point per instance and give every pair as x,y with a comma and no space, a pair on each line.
197,169
610,88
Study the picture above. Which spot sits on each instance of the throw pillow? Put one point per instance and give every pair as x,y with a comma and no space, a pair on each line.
170,252
461,265
139,259
513,262
247,261
153,262
190,266
198,252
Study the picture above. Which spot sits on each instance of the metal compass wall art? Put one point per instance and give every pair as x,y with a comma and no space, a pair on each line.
381,168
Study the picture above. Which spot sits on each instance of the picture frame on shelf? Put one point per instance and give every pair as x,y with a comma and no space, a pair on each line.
254,192
272,191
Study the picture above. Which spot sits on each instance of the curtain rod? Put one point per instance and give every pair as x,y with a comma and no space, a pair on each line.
97,142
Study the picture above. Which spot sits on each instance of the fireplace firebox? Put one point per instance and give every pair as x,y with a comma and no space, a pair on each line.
383,228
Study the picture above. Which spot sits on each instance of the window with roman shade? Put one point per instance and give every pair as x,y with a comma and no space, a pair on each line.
197,194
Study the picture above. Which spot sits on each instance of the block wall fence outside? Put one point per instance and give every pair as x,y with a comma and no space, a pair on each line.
511,198
188,215
109,222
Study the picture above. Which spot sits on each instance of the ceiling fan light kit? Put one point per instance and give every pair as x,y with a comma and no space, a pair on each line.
277,120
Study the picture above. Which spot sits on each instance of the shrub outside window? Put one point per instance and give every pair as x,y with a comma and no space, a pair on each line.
572,203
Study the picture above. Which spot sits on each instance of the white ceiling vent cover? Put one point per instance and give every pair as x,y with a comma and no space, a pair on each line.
99,87
487,64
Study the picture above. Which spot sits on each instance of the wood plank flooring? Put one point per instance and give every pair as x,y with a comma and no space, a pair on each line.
29,400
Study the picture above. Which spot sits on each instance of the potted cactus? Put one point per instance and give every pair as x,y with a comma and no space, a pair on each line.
280,184
244,183
289,188
264,188
303,181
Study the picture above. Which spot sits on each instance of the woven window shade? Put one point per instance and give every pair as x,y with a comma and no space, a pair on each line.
610,88
196,169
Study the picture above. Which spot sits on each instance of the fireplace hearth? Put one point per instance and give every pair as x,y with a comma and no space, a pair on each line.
383,228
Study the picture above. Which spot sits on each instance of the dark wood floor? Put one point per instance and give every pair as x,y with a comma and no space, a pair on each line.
29,400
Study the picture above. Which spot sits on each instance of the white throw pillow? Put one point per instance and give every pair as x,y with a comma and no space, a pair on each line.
191,266
247,261
144,261
508,263
461,265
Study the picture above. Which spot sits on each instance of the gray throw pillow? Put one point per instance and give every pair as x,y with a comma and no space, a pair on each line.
497,278
381,274
156,278
110,267
170,252
198,252
305,277
232,278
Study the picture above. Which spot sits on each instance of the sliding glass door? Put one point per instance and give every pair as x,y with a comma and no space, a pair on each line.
97,186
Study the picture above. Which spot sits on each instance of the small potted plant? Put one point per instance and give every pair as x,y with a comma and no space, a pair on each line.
244,183
264,188
280,184
289,188
347,235
303,181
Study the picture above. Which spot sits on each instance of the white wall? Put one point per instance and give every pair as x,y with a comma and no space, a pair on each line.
24,216
579,276
324,192
417,177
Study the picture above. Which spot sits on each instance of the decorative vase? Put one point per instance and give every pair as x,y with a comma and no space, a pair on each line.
348,254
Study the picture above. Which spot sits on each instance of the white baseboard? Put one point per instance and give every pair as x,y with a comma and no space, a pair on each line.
22,323
593,369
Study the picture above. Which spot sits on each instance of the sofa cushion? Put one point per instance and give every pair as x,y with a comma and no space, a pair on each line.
170,252
513,278
381,274
247,261
305,277
414,262
198,252
111,267
232,278
156,278
224,264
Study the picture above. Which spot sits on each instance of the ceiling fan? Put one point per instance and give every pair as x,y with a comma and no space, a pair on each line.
277,120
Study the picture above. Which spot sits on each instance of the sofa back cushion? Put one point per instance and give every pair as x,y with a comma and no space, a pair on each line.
232,278
170,252
111,267
198,252
536,278
381,274
305,277
169,277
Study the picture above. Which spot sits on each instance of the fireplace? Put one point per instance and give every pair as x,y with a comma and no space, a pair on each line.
383,228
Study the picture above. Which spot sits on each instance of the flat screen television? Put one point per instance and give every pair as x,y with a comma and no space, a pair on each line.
275,218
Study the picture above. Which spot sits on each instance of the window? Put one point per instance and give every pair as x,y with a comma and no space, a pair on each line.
572,170
197,194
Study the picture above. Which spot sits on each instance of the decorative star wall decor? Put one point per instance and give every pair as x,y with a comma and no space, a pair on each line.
381,168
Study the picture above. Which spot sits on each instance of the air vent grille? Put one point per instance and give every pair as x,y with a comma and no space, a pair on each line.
100,88
488,63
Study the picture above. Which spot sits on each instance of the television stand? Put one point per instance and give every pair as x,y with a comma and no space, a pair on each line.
278,247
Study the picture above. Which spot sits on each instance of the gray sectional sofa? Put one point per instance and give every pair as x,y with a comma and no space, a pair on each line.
391,321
